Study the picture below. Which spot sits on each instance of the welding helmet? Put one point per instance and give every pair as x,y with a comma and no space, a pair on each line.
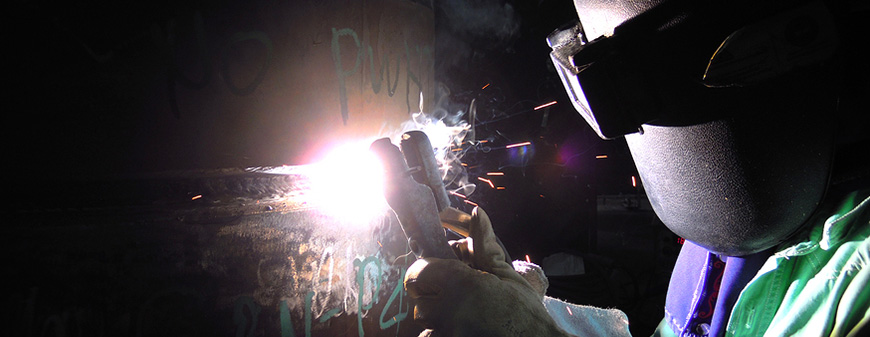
725,106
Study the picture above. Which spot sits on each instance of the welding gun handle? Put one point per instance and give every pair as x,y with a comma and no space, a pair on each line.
419,153
413,204
417,214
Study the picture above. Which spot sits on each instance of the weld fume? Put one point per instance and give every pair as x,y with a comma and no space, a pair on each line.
471,30
489,20
446,131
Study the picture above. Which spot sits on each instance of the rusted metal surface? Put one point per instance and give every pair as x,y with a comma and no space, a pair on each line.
210,253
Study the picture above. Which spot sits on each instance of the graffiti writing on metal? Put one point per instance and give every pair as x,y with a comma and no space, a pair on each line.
177,309
421,54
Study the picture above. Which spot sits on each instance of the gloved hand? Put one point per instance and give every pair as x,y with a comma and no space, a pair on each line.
482,296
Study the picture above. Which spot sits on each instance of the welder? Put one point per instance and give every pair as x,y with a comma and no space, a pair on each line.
742,118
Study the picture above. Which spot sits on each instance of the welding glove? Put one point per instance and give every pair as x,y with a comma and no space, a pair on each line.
482,296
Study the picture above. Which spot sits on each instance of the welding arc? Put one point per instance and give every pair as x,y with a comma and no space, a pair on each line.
418,152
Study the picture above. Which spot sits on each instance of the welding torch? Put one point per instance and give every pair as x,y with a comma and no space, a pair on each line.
415,191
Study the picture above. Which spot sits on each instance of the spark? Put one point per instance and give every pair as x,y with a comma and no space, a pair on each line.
486,181
495,173
601,156
470,203
518,145
500,188
528,259
633,181
484,87
544,105
196,197
458,194
569,310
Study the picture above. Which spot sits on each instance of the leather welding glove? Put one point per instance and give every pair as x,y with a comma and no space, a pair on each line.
491,299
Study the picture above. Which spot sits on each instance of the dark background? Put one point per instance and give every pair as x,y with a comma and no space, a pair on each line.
495,52
558,197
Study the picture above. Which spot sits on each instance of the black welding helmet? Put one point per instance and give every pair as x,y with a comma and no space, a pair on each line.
725,106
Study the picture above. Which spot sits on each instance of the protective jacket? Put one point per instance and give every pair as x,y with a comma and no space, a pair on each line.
814,284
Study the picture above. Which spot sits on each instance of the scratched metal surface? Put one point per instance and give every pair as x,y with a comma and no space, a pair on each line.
218,253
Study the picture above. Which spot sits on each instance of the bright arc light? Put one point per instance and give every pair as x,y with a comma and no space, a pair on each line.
348,184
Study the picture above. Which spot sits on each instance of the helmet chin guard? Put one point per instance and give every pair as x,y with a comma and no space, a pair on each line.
736,186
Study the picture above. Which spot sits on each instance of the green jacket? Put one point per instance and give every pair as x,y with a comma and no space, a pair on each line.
815,284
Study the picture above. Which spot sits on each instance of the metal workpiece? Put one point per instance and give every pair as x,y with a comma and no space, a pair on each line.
187,250
413,203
